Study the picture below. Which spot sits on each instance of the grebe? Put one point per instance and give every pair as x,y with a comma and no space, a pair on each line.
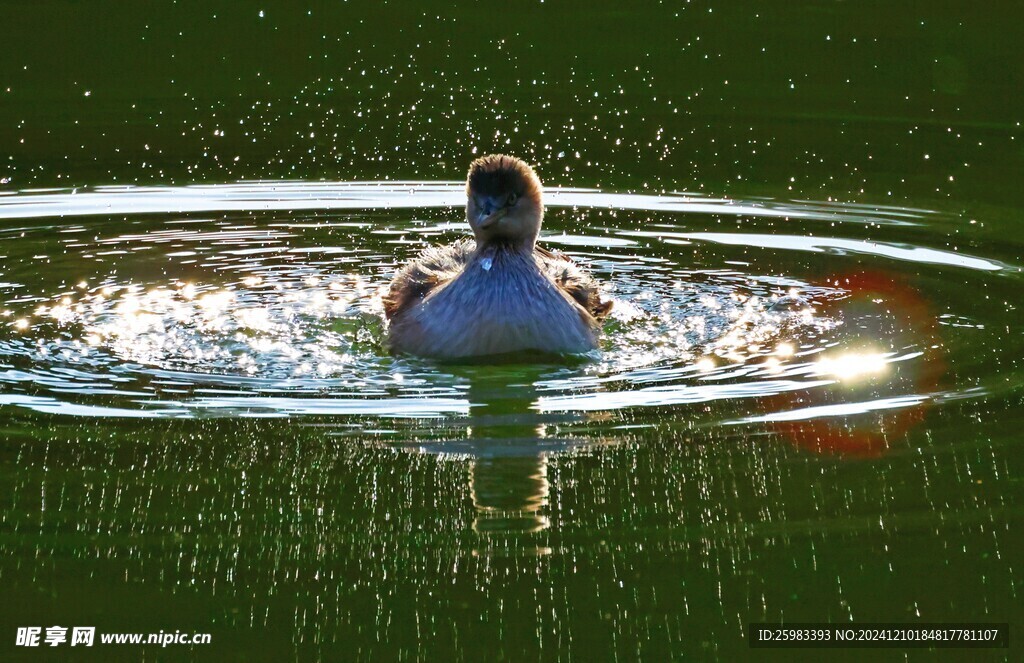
502,293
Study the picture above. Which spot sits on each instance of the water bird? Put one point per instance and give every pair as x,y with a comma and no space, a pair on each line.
501,292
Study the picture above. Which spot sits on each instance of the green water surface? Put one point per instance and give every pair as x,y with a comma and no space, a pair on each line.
287,486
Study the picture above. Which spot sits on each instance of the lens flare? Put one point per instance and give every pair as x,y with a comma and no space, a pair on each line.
853,365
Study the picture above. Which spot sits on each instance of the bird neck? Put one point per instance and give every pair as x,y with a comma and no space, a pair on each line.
505,245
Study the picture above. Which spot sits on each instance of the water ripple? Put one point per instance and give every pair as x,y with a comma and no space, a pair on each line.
271,306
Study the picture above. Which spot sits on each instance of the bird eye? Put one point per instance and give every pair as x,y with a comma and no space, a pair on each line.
511,199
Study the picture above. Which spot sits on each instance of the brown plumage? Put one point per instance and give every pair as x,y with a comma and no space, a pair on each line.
501,293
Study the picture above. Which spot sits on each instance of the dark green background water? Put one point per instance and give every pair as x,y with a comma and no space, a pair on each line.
665,532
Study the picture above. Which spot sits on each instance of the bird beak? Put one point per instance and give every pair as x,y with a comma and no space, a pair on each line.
492,219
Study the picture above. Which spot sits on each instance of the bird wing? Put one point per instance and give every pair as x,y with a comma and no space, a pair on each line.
572,280
434,267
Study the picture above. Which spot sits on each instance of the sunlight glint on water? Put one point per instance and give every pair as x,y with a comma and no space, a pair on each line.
271,307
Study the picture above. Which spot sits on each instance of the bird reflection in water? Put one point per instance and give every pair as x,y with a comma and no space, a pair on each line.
510,493
511,445
508,444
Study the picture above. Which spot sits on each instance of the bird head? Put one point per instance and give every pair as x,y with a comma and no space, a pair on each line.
503,201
